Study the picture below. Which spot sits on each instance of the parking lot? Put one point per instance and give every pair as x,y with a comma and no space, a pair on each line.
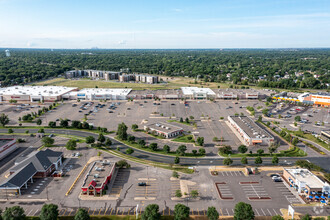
266,196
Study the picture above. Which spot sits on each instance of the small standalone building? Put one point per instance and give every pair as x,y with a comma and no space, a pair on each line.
325,136
249,131
197,93
305,182
98,176
7,145
164,129
38,164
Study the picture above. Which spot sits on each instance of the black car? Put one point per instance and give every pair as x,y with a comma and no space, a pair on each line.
110,111
142,184
172,104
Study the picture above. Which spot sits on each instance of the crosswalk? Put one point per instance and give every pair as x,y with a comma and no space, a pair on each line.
231,173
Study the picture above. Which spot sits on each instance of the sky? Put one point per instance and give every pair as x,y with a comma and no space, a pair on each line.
164,24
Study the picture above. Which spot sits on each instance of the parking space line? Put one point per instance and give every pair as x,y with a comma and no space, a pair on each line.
29,212
257,212
100,211
35,212
110,211
227,211
197,211
106,210
263,212
269,212
221,212
275,211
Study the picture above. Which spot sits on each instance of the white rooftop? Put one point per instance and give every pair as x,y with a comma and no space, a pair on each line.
194,90
36,90
304,175
100,91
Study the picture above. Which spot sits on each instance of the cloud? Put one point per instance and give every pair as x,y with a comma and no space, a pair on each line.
177,10
122,42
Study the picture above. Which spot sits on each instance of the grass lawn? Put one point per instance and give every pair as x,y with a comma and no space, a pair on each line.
292,152
185,139
310,137
185,123
159,150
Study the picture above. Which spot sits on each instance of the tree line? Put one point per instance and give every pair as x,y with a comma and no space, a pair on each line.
244,66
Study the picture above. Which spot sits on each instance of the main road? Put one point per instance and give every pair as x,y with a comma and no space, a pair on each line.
321,161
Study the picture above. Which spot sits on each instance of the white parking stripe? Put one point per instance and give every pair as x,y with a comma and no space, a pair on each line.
257,212
36,212
29,212
269,212
227,211
275,212
263,212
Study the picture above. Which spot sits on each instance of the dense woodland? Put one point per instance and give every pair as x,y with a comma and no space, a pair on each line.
242,66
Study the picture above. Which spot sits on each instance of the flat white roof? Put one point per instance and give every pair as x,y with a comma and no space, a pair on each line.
193,90
100,91
304,175
36,90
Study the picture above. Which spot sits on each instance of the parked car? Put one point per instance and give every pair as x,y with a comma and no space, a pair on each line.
142,184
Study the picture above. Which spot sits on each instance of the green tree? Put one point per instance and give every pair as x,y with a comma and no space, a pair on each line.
212,213
243,211
200,141
141,143
175,174
64,123
181,120
225,150
178,193
4,120
295,141
244,160
71,145
306,217
181,212
75,124
227,161
82,214
151,212
108,142
187,120
10,131
47,141
39,121
181,150
275,160
258,160
129,151
260,152
135,127
201,151
194,194
297,118
52,124
90,139
242,149
122,131
277,217
166,148
131,138
265,111
13,213
123,163
153,146
49,212
177,160
101,138
41,130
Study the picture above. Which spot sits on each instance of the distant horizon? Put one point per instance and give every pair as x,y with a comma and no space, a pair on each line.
233,48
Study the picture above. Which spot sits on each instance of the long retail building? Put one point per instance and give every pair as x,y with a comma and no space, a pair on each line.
249,132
